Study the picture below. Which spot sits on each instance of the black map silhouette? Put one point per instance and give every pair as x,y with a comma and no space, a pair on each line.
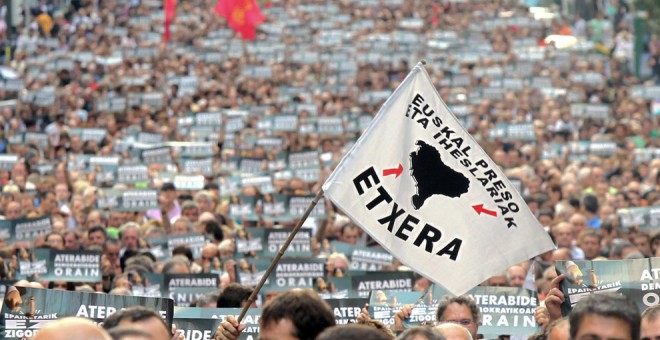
433,177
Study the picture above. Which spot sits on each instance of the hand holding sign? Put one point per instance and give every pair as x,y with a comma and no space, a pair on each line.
402,315
229,329
555,298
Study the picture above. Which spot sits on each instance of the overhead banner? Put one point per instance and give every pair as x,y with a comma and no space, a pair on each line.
26,310
504,310
638,279
420,185
60,265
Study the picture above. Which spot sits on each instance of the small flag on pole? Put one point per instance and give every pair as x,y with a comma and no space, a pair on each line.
420,185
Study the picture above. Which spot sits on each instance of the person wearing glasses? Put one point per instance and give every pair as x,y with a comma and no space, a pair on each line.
460,310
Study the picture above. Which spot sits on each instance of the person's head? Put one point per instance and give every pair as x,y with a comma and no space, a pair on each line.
452,331
605,316
129,234
141,317
55,241
564,233
590,242
168,192
62,192
461,310
97,235
352,332
295,314
420,333
515,276
499,280
190,210
13,210
204,201
650,327
72,328
47,201
234,296
182,226
558,330
129,333
213,230
177,265
349,233
578,221
209,252
643,243
96,218
620,249
71,240
111,249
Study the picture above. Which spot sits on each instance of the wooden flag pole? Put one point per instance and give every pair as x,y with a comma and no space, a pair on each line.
279,255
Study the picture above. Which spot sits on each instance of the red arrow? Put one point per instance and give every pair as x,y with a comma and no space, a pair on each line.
479,208
393,171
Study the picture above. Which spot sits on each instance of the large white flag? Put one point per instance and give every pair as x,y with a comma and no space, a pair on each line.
419,184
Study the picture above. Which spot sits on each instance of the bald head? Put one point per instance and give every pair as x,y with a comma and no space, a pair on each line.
72,329
452,331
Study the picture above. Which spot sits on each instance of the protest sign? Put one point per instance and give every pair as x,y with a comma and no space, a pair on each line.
201,323
643,218
364,258
449,208
637,279
503,310
26,310
385,281
24,229
183,289
161,247
346,310
61,265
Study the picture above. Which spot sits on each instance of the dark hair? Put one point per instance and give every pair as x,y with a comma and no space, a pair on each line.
133,314
352,332
309,314
213,227
611,305
69,285
111,242
348,225
429,333
96,229
118,333
463,300
233,296
590,203
183,250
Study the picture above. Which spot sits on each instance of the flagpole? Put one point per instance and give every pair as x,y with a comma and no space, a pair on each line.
279,255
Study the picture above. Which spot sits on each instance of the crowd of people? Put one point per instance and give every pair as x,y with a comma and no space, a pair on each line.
95,79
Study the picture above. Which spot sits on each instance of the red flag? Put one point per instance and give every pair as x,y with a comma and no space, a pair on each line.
170,12
242,16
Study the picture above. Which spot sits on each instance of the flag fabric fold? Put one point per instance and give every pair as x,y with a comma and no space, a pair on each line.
242,16
419,184
169,7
